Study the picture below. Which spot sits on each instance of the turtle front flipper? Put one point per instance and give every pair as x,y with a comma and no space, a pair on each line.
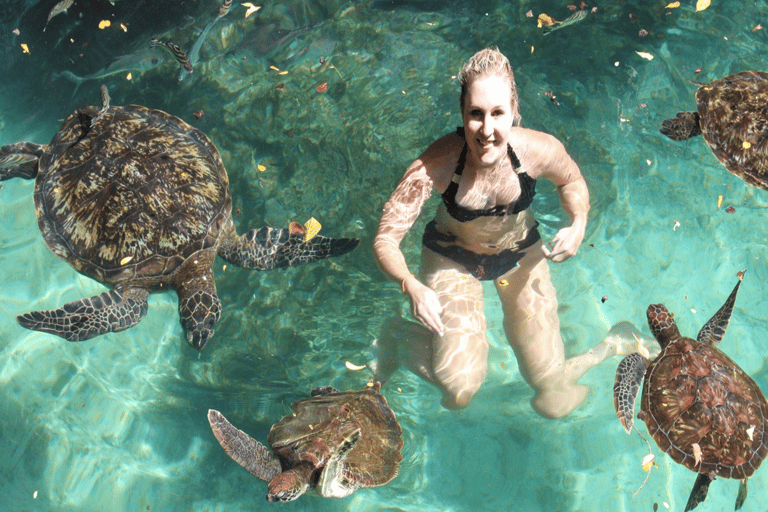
270,248
199,304
629,378
337,480
243,449
713,331
684,126
699,491
112,311
20,160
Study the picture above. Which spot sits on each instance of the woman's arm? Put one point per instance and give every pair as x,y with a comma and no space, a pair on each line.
546,156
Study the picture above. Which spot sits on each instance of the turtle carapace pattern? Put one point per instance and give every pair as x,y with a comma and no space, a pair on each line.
333,442
698,404
139,200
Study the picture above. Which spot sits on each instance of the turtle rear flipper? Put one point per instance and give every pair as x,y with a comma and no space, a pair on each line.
684,126
629,378
699,492
713,331
243,449
20,160
270,248
338,480
742,495
112,311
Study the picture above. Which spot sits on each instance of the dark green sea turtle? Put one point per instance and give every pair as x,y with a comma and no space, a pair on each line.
139,200
335,442
733,118
698,405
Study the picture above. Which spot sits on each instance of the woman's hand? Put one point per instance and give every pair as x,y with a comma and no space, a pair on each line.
426,306
564,244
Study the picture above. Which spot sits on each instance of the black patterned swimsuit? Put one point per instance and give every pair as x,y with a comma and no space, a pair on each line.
483,266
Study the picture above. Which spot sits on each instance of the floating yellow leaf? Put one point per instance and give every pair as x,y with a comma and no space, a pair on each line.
503,282
719,201
312,228
126,260
251,8
283,73
757,27
129,76
124,27
673,5
24,48
702,4
645,55
648,462
531,49
274,68
746,144
261,168
354,367
545,20
104,24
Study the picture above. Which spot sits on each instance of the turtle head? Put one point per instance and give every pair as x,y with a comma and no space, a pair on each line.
662,324
288,486
199,313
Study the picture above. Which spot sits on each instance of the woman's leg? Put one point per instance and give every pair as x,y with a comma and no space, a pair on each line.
533,330
456,362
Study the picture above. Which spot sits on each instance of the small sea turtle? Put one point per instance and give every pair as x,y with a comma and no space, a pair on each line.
733,117
335,442
698,405
139,200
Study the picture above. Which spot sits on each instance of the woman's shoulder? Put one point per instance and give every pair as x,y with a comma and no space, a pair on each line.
444,151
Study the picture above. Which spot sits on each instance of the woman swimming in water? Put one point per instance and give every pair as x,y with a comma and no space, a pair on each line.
484,230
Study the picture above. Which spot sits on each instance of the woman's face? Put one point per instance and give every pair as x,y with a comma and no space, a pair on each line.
487,115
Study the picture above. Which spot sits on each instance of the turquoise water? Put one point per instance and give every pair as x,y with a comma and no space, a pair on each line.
118,423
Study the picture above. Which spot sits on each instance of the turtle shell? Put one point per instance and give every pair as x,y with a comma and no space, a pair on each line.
693,394
130,193
319,426
733,116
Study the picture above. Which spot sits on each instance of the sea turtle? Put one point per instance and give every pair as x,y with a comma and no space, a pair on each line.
698,405
733,117
335,442
139,200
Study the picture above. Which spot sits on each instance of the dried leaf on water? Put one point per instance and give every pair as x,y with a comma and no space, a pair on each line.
251,8
24,48
261,167
312,227
672,5
322,87
295,228
645,55
757,27
719,201
354,367
104,24
702,4
696,453
545,20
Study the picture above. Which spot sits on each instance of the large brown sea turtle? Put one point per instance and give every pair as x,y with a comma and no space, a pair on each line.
139,200
335,442
698,405
733,118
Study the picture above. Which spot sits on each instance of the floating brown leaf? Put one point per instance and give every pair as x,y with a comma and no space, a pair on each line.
322,87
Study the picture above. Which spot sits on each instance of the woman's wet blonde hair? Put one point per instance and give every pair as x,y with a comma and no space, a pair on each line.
489,62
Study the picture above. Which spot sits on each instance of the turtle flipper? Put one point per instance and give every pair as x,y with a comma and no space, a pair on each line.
323,391
270,248
684,126
112,311
713,331
699,491
243,449
629,378
742,494
337,480
20,160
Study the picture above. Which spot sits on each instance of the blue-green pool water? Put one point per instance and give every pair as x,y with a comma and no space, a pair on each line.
118,423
